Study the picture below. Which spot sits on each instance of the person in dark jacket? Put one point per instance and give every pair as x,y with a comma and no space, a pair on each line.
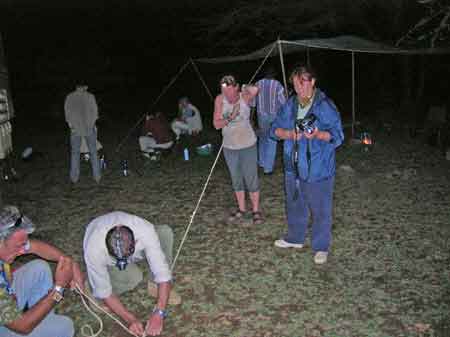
311,128
156,134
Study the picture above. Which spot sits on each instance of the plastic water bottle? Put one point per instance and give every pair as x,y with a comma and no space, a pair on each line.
5,174
186,153
125,168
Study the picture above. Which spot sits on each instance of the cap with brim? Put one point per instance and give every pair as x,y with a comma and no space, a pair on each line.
12,220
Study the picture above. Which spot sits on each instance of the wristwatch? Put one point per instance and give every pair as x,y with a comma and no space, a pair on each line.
58,294
160,312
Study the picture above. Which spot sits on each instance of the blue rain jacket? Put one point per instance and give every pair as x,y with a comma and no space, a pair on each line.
322,163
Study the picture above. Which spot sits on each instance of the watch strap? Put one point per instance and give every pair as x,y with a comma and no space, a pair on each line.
59,289
160,312
58,294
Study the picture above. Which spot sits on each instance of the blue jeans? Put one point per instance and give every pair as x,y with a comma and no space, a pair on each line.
267,151
75,144
32,282
315,198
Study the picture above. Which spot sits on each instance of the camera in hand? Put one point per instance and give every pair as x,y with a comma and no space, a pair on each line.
306,124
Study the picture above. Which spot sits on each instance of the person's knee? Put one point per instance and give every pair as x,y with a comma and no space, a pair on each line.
165,234
252,184
238,186
63,327
40,266
164,229
76,150
253,189
125,280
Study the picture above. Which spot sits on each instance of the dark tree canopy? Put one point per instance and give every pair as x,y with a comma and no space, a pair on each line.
433,29
247,24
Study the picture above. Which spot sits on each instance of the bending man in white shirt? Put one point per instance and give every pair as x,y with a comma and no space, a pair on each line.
113,243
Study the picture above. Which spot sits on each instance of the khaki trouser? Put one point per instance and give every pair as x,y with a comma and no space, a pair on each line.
126,280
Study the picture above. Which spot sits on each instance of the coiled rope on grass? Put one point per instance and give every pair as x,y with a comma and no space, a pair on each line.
86,329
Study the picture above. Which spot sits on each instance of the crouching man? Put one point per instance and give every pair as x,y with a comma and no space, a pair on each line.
29,293
113,243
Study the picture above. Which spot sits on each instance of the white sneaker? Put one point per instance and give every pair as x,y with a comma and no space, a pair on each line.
281,243
320,257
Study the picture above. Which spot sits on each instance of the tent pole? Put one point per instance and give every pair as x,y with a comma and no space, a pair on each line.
201,79
353,94
280,50
151,107
262,63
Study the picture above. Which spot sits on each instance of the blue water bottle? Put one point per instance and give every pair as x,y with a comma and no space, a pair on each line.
186,153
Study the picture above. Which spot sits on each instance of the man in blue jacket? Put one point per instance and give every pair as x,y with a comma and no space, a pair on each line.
311,128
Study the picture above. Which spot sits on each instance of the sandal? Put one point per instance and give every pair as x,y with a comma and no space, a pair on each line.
235,216
257,218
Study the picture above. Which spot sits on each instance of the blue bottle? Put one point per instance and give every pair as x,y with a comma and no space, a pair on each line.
186,153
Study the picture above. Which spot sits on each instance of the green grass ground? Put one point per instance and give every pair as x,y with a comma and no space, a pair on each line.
388,270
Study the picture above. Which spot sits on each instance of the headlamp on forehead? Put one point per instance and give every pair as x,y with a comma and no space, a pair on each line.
228,80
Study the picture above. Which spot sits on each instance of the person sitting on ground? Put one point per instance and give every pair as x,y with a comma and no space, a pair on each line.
28,294
155,134
113,243
188,121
